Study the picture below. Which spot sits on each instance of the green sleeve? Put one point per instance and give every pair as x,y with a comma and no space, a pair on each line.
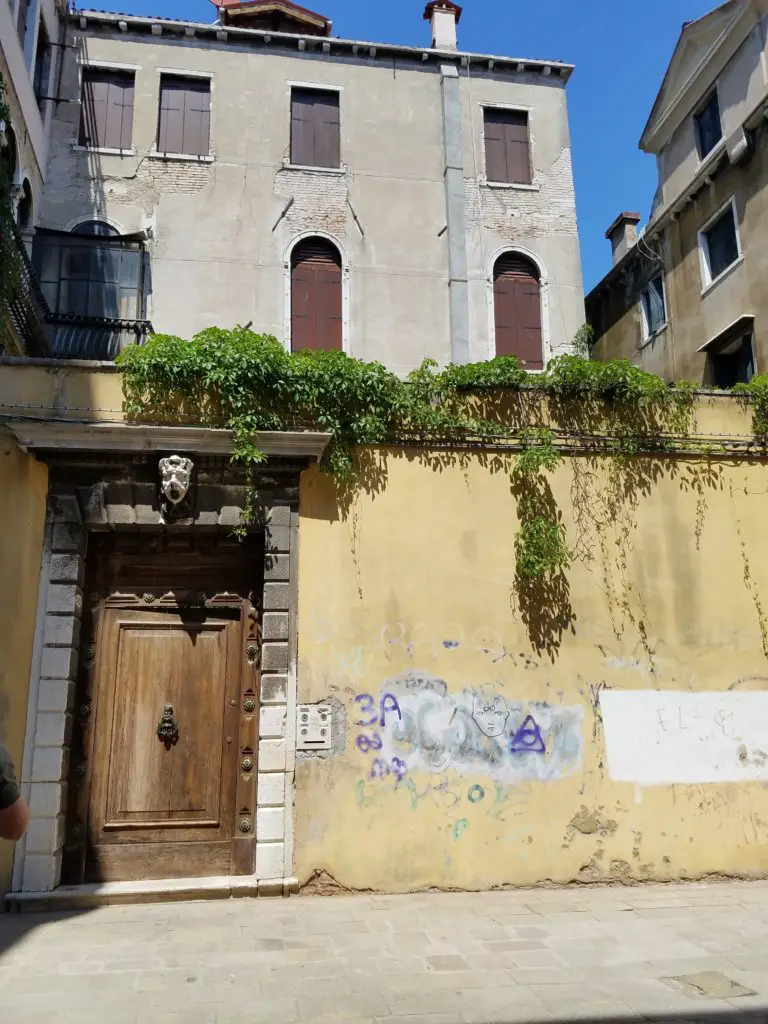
9,791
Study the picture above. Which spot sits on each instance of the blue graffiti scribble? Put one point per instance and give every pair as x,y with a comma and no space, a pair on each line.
399,768
450,644
527,739
389,703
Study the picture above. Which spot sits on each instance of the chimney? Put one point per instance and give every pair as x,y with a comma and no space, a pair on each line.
623,234
444,16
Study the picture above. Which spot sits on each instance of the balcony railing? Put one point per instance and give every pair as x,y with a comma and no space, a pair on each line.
23,320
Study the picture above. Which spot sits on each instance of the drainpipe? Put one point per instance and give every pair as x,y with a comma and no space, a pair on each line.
453,175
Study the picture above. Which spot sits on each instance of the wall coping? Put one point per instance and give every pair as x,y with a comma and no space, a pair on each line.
46,434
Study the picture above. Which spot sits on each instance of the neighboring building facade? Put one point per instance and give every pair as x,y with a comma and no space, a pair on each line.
686,298
396,203
29,43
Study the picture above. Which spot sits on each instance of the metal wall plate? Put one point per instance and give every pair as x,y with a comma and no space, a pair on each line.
313,727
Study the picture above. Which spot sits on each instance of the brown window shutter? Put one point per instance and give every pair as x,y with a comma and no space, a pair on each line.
315,138
517,310
316,296
302,128
507,146
197,117
106,111
495,148
170,134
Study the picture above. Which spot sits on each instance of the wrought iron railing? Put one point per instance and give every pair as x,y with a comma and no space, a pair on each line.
23,320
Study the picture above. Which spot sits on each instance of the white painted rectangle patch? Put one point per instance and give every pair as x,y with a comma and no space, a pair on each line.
657,738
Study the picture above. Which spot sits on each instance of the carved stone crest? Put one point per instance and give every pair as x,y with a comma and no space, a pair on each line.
175,480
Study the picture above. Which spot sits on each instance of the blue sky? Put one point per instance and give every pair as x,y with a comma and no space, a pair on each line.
621,50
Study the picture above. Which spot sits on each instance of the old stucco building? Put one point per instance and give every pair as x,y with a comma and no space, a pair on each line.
423,196
686,297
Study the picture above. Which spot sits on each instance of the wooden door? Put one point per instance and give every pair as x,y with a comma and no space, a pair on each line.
164,749
166,739
316,296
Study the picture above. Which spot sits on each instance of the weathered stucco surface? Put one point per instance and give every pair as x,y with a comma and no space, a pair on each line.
396,254
476,743
23,487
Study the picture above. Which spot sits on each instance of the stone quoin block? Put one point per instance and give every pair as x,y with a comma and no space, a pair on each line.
67,537
277,538
61,631
64,599
277,567
41,872
279,515
55,695
272,756
274,626
274,657
64,508
69,568
270,823
58,663
272,722
121,515
53,729
274,689
50,764
270,789
277,597
45,835
47,799
269,860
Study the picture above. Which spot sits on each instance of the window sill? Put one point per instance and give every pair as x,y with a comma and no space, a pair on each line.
652,337
728,270
314,170
103,150
718,147
184,157
513,185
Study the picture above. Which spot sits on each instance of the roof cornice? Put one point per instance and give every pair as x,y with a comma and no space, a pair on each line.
661,125
323,46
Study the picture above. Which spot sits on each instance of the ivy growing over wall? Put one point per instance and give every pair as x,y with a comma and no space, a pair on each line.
249,383
9,257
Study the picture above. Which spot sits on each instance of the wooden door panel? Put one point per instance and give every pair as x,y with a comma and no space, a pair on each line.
149,784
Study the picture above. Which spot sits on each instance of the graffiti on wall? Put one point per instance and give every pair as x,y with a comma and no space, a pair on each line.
415,724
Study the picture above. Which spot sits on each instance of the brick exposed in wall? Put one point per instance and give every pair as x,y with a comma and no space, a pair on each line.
320,201
524,212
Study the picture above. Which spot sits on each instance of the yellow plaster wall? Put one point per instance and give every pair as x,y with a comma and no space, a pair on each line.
668,592
23,488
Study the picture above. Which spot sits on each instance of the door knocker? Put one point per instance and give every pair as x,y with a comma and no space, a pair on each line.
167,728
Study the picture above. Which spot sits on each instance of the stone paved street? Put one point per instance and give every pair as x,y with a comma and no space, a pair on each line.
543,955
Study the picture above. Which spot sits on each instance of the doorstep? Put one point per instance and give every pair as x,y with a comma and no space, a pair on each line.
161,890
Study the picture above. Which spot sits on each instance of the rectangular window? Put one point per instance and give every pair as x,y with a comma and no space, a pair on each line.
106,112
709,131
90,276
652,304
184,125
42,66
719,243
315,131
732,364
507,146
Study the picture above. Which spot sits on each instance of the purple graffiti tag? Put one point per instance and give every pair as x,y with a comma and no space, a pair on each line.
389,703
366,743
379,768
399,768
369,708
527,739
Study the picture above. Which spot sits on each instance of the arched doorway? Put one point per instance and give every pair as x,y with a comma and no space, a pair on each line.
517,310
316,296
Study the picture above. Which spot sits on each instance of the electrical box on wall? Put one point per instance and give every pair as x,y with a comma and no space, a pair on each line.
313,728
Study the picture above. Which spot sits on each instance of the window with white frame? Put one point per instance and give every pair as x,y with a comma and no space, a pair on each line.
653,308
719,243
709,129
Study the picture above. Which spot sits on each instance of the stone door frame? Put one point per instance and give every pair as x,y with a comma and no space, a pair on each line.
129,505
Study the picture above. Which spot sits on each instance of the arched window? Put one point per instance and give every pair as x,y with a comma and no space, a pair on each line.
316,296
517,310
95,227
8,155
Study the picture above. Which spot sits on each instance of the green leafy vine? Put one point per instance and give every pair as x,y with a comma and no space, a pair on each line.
249,383
9,255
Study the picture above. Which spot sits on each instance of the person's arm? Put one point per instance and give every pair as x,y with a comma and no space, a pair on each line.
14,813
